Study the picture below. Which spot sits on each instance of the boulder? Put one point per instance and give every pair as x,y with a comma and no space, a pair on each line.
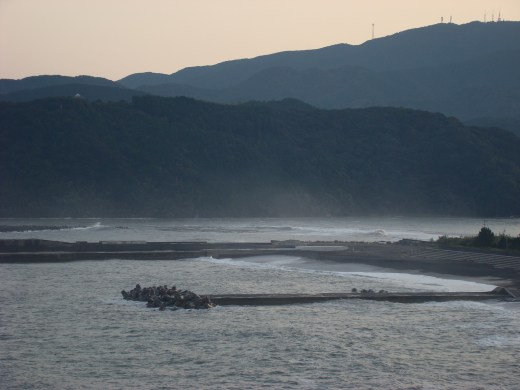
163,297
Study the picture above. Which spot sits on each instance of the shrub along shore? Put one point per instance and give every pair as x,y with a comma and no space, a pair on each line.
486,238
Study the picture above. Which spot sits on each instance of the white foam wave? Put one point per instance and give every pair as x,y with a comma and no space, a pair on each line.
369,234
427,283
257,262
398,281
97,225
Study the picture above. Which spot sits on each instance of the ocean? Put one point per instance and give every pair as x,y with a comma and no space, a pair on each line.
66,326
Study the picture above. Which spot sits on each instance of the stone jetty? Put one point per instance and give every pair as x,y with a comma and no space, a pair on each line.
162,297
366,295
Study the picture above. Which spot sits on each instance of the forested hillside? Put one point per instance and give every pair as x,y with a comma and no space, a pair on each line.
182,157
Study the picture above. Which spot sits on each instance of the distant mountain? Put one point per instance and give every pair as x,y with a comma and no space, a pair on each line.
469,71
173,90
35,82
38,87
148,78
86,91
181,157
430,46
359,87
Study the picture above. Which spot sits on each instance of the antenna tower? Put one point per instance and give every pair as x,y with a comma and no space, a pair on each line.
372,30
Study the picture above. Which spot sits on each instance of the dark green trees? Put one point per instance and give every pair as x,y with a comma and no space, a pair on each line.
178,157
485,237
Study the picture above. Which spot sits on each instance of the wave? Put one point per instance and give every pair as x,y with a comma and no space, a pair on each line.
259,262
97,225
366,233
399,281
224,229
47,228
429,283
346,232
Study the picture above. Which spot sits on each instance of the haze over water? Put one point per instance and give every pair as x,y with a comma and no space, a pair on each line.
259,229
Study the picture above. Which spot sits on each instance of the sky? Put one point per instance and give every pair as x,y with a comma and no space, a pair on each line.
115,38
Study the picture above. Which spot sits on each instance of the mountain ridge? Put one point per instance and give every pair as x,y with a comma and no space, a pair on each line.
179,157
430,42
468,71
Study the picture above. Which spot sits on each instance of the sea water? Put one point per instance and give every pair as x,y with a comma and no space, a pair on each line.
259,229
66,326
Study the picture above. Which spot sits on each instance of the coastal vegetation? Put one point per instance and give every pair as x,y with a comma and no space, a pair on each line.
179,157
485,238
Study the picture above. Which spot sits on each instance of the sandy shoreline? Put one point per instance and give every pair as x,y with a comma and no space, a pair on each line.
396,258
418,258
492,280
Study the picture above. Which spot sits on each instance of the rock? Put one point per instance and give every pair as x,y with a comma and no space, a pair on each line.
162,297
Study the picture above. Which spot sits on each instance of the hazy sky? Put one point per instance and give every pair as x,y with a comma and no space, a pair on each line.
114,38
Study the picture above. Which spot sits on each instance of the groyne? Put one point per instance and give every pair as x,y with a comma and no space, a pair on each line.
36,250
410,297
162,297
42,251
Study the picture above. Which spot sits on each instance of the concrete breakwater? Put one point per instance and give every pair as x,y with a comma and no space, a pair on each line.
415,297
36,250
163,297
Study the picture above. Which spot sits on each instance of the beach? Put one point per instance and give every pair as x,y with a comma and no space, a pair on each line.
409,257
426,259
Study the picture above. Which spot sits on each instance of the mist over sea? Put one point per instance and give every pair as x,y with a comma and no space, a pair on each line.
66,326
255,229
